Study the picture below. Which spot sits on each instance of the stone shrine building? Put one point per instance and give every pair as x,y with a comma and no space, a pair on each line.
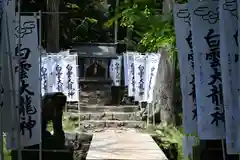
94,77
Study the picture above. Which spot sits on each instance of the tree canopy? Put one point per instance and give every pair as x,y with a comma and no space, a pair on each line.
83,22
92,21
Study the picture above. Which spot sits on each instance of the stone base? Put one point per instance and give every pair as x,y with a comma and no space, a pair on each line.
79,143
95,93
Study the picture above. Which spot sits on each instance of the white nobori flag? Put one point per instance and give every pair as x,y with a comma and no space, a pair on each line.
45,75
116,68
111,69
229,57
125,67
139,74
70,78
152,63
186,63
206,49
131,77
29,75
58,72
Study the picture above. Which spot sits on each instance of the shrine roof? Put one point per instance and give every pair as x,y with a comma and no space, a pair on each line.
95,50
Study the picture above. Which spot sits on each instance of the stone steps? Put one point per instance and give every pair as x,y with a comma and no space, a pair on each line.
97,117
96,108
96,124
121,116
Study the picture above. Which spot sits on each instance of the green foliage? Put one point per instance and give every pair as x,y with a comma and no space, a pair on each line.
150,28
84,21
7,154
151,31
170,135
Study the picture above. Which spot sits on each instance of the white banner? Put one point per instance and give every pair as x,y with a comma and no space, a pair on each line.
59,74
70,83
131,77
188,143
125,67
139,74
152,63
206,48
185,54
45,74
229,57
111,69
29,74
116,68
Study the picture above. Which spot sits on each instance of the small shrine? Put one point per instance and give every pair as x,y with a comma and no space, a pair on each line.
94,77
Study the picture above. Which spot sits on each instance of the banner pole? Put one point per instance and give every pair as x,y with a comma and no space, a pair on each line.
1,137
19,149
153,105
1,103
223,150
40,50
148,111
116,24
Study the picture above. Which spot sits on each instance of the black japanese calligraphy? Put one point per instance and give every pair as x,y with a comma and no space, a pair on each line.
28,124
8,2
216,95
25,29
44,79
117,68
133,77
183,13
59,78
190,54
194,113
235,36
231,6
192,81
141,70
193,92
213,41
217,116
26,109
207,14
216,76
71,90
150,81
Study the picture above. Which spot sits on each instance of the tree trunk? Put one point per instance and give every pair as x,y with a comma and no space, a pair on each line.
53,26
167,87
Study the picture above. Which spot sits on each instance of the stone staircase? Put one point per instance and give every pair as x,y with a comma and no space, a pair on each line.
98,118
109,132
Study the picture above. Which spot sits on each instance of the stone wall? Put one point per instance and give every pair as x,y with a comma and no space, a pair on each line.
95,93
